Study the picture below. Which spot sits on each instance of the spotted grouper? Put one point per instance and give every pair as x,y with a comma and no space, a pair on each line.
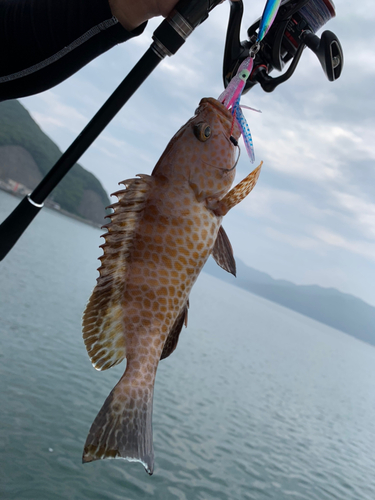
161,232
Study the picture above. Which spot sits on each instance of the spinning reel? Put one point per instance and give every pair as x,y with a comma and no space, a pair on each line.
293,29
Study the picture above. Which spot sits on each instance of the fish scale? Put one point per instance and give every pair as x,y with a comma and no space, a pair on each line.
162,231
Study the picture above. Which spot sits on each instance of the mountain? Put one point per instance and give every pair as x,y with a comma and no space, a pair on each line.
27,154
327,305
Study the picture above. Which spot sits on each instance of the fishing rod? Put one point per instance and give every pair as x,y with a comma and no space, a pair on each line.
292,30
169,36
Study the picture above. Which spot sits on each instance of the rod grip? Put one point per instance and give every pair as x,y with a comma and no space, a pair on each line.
16,223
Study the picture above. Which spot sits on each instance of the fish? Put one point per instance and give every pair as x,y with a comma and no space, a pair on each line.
162,230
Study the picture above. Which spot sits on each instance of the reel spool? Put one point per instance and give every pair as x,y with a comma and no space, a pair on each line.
293,29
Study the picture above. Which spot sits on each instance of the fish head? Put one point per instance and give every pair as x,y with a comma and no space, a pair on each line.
212,128
202,152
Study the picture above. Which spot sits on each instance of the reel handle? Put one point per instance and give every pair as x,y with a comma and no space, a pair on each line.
328,50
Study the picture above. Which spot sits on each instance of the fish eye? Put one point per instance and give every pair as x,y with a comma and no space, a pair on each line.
202,131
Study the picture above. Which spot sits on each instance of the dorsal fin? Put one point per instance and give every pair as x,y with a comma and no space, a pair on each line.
172,339
102,320
222,252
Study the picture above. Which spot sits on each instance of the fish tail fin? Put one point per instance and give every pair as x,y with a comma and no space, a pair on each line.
123,427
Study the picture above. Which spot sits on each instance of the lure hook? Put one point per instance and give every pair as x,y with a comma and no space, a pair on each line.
238,157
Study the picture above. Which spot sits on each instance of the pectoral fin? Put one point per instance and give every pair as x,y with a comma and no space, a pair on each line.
174,334
222,252
238,193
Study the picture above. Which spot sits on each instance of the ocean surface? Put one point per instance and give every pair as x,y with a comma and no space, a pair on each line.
257,402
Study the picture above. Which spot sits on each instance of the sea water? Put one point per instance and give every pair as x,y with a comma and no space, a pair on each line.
257,402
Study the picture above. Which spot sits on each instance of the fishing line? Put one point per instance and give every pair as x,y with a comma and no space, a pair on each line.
317,13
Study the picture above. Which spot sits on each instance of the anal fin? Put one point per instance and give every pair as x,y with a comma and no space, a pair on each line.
174,334
222,252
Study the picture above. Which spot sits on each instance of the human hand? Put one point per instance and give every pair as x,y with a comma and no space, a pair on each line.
132,13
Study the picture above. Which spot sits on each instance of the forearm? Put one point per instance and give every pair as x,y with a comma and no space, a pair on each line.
43,42
132,13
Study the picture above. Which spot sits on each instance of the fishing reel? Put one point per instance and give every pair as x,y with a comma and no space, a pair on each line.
293,29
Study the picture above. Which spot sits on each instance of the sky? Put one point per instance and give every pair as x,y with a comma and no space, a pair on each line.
311,217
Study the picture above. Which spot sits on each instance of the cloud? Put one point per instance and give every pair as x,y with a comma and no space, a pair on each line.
360,247
296,241
269,203
55,113
361,211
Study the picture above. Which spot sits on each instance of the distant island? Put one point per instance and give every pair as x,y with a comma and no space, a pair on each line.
27,154
327,305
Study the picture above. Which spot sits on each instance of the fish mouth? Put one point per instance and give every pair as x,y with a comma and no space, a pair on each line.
217,105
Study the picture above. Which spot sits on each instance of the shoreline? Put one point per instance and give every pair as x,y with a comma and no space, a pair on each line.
53,206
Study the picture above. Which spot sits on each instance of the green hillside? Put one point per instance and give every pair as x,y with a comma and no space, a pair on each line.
17,128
